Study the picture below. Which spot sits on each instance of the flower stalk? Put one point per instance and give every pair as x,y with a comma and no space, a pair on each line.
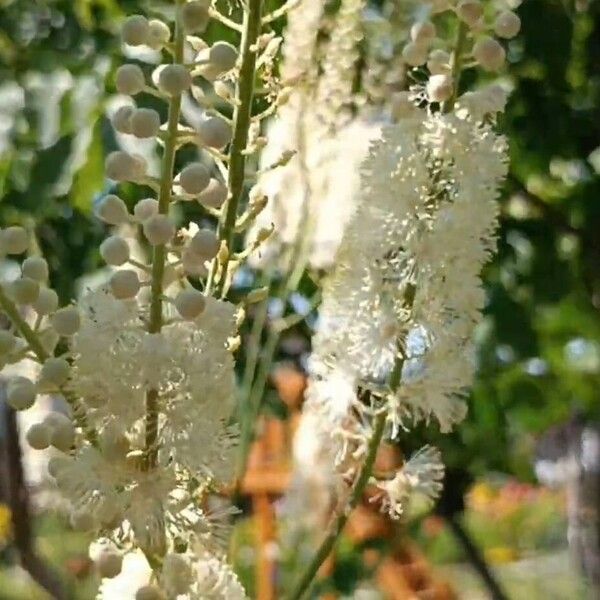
237,156
160,252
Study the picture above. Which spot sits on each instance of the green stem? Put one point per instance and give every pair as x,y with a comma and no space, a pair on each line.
336,527
32,338
456,64
160,252
241,123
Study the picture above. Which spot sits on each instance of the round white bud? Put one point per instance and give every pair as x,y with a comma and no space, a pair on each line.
35,267
215,132
135,30
57,463
190,304
194,178
55,373
121,118
109,564
130,80
149,592
423,33
38,436
121,166
66,321
145,208
112,210
14,240
489,53
440,88
49,339
159,34
47,302
222,56
214,195
507,24
174,79
439,62
145,123
158,230
82,520
470,12
194,16
62,431
114,250
7,342
205,244
125,284
193,264
25,290
21,393
414,54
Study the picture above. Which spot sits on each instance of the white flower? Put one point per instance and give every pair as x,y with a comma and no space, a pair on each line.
422,474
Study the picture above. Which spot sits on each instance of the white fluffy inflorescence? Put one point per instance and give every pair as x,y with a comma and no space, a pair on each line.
406,293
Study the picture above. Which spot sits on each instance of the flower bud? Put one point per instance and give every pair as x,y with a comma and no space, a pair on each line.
62,431
21,393
440,88
57,464
121,166
38,436
214,132
414,55
423,33
7,342
159,34
158,230
205,244
130,80
109,563
194,178
439,62
193,264
222,56
470,12
190,304
177,573
14,240
46,303
174,79
194,16
25,290
112,210
55,373
214,195
114,250
149,592
35,267
121,118
145,208
489,53
49,339
507,25
66,321
135,30
125,284
145,123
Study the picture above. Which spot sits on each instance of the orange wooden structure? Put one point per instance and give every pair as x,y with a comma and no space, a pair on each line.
401,574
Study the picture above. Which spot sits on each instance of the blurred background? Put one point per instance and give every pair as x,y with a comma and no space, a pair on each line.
519,514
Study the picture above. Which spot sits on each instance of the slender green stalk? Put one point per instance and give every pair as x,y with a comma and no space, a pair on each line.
32,338
337,525
241,123
160,252
456,64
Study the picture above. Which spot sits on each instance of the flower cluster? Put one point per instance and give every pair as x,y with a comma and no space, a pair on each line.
145,361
